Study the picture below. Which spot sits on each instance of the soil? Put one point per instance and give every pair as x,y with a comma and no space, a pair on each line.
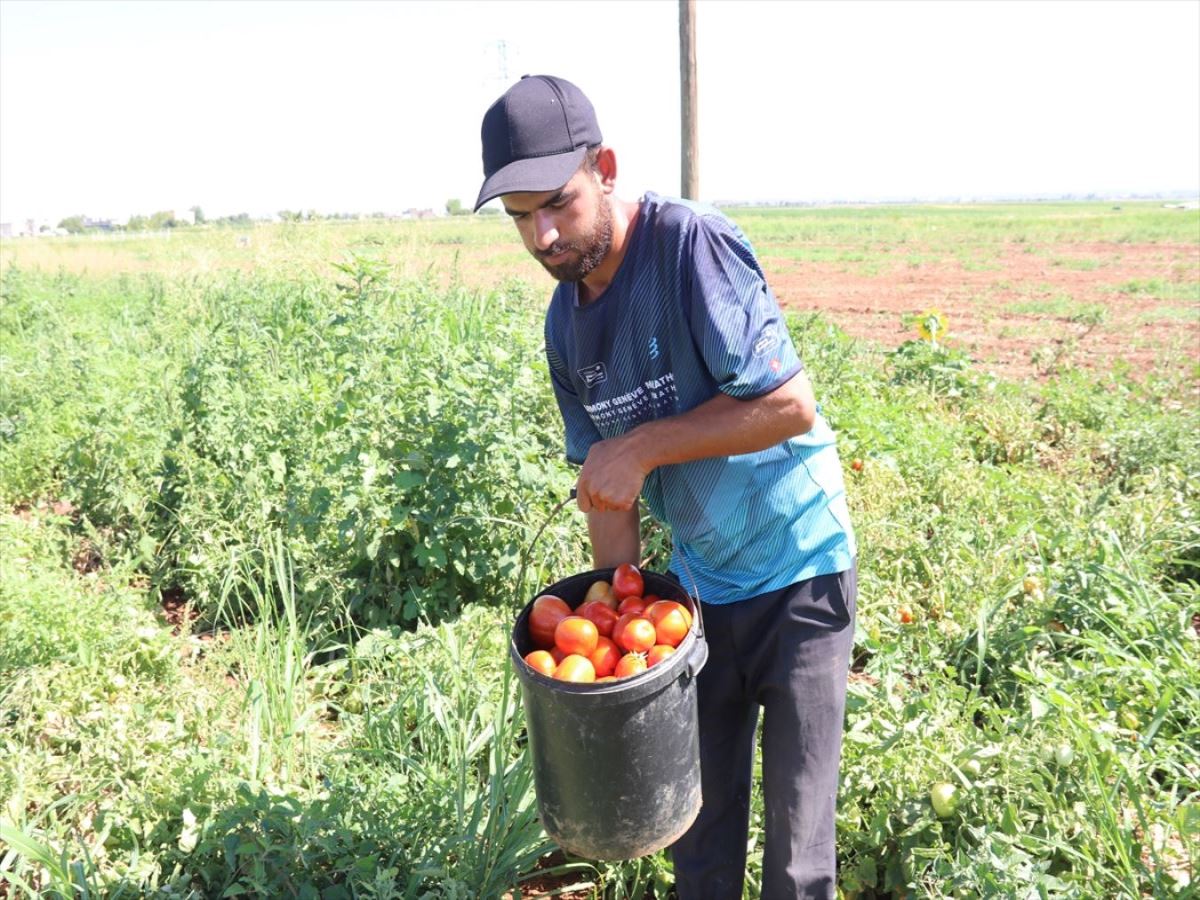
538,885
983,300
177,611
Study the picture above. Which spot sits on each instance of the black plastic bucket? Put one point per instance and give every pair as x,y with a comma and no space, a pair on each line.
616,765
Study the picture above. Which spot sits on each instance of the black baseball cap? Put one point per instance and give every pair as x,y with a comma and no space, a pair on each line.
535,137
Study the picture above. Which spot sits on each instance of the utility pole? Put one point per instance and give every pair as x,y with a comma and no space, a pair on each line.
689,162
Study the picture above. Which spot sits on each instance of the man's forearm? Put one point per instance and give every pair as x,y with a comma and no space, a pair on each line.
616,537
725,426
615,469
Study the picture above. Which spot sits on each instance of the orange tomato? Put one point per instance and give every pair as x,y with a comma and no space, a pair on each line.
658,653
544,616
630,664
905,614
670,622
605,657
575,668
635,635
541,661
654,611
576,635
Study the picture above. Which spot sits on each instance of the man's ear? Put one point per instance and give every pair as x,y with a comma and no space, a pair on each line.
606,168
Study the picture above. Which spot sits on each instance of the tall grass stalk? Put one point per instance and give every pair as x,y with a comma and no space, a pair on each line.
273,658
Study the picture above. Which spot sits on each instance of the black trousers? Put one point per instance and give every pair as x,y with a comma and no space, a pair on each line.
789,652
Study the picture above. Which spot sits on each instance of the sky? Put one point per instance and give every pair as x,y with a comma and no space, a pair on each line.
115,108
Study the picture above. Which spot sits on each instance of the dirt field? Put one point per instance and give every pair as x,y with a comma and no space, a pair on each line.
1086,304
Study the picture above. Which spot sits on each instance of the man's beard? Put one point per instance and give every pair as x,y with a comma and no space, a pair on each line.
591,250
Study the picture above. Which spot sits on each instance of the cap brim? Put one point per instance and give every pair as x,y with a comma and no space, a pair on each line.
542,173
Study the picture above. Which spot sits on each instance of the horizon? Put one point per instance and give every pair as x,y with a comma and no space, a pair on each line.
117,109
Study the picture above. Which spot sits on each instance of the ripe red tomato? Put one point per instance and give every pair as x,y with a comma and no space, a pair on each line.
627,581
557,655
544,617
541,661
576,635
630,664
605,657
603,617
575,668
658,653
635,605
905,614
857,465
636,635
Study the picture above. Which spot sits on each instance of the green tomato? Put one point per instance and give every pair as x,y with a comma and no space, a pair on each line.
944,798
972,767
1128,719
1064,753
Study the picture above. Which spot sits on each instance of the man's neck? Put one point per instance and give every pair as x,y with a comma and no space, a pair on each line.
624,215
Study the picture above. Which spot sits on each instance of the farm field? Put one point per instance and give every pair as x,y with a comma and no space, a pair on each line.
266,497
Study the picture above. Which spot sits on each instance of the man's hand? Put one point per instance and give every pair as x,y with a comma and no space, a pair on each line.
612,476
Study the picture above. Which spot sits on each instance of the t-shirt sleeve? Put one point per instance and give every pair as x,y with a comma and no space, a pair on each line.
581,432
735,319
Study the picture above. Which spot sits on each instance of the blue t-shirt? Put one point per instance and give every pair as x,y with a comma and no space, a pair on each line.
688,314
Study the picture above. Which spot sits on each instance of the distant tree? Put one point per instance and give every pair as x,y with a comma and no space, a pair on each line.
289,215
455,208
489,211
164,218
72,224
136,223
199,215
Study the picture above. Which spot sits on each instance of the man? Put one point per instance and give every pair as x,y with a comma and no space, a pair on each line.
678,382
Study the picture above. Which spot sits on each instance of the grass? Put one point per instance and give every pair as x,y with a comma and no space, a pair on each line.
1159,289
1060,307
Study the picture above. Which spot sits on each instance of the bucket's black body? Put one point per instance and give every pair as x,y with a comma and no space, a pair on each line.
616,765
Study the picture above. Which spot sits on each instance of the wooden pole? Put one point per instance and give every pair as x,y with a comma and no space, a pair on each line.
689,163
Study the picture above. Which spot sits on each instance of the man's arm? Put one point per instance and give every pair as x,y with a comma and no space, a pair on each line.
616,537
615,469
